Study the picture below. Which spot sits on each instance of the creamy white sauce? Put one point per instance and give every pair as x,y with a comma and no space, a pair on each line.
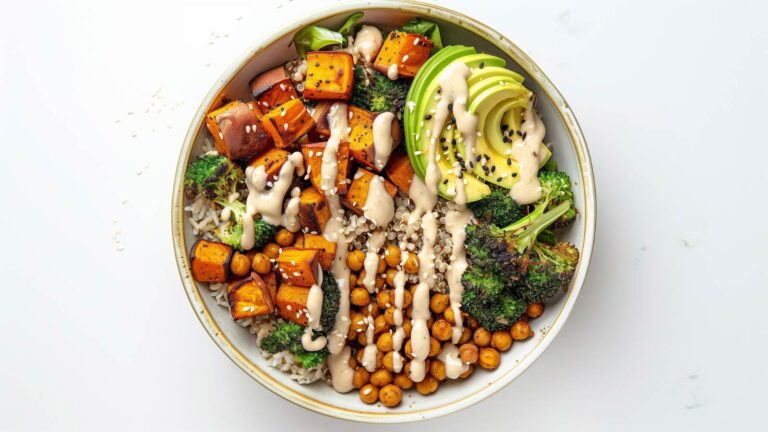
382,139
399,335
291,215
226,212
341,373
393,72
449,355
371,262
455,222
300,71
370,351
367,44
529,154
314,311
379,206
267,202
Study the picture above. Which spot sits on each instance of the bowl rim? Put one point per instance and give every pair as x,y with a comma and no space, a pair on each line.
588,213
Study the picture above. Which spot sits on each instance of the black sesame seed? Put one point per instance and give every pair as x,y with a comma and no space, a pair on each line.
471,164
317,64
461,174
514,174
450,107
477,158
442,139
493,168
482,65
504,127
445,181
428,117
498,179
509,161
453,141
525,134
445,148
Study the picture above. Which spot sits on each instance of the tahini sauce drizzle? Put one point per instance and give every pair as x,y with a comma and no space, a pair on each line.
291,215
379,206
449,355
314,310
267,202
371,349
399,335
528,154
393,72
382,139
338,361
371,262
453,97
367,44
455,222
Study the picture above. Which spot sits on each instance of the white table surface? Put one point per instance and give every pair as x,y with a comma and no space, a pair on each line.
670,330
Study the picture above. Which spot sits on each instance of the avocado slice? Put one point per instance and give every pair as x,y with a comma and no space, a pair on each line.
496,96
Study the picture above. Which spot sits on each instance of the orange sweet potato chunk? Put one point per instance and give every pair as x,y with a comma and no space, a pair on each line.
209,261
272,161
330,75
299,266
249,297
292,302
326,247
399,171
313,210
357,194
237,130
289,122
280,93
361,146
313,163
408,51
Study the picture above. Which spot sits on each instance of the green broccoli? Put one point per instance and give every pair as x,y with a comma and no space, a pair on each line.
286,336
487,300
555,189
550,270
214,176
375,92
232,232
331,296
498,208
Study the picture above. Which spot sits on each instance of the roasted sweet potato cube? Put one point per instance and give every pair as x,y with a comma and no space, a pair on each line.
361,146
209,261
266,80
407,50
270,279
326,247
313,163
292,303
249,297
277,95
299,266
272,161
313,210
330,75
321,131
357,194
237,130
290,121
400,172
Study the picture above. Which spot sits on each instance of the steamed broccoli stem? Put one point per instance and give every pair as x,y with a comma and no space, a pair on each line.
286,336
532,225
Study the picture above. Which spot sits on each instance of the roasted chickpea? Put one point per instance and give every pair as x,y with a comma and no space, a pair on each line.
427,386
380,282
351,334
466,335
283,237
381,377
409,312
412,263
369,394
437,369
359,356
471,323
407,351
403,381
380,324
521,330
534,310
352,279
261,264
384,343
407,326
434,347
355,260
449,316
439,303
501,340
481,337
469,353
392,256
389,277
382,265
441,330
358,323
383,299
469,372
489,358
388,361
390,395
389,315
352,362
360,297
240,264
371,310
272,250
361,278
362,338
407,298
361,377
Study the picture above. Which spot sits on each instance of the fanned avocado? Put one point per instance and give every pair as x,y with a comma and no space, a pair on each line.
496,96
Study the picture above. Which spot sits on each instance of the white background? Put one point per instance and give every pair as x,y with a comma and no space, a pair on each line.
669,332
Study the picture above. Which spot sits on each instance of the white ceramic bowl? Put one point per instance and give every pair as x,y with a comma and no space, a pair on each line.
570,151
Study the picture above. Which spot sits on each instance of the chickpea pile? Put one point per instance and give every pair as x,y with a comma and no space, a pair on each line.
477,347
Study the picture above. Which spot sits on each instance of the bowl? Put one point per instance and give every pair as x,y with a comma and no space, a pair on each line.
570,150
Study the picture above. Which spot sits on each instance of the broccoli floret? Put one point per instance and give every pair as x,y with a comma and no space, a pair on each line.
375,92
286,336
498,208
331,296
232,232
550,270
214,176
555,189
486,299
